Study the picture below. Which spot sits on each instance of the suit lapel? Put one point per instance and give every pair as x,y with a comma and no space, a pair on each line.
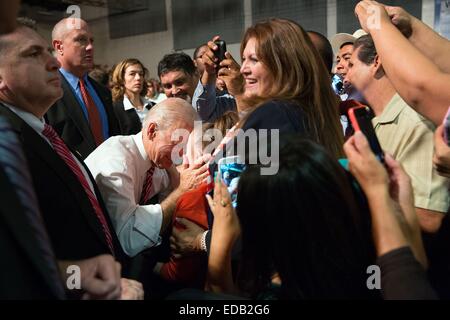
33,142
74,111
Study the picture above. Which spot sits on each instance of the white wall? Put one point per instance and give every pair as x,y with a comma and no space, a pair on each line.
150,48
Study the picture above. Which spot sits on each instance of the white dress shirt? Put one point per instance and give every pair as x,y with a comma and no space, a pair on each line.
119,166
127,105
38,125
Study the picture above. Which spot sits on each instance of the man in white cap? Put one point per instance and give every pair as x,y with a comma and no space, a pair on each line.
342,44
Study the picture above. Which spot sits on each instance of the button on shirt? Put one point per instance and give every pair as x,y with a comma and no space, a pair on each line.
119,166
38,125
127,105
74,84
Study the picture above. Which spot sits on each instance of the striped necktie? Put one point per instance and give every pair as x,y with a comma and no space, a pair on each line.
64,153
148,184
14,164
94,116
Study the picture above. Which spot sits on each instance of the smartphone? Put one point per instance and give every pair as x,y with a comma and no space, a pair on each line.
229,170
220,52
361,119
337,83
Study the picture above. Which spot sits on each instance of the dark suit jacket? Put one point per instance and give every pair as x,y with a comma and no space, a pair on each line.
129,122
72,225
24,274
67,118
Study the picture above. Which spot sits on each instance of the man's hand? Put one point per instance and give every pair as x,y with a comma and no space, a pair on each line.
230,73
131,290
441,158
401,19
191,175
187,241
209,59
100,276
370,15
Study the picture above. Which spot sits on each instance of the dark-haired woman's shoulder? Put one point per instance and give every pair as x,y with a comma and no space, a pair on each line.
286,116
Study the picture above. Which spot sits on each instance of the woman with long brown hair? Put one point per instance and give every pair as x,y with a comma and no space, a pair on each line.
128,88
287,84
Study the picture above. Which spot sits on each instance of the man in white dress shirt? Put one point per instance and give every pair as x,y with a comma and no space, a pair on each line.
130,170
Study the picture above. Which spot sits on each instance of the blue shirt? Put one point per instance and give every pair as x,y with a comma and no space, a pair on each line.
210,106
75,85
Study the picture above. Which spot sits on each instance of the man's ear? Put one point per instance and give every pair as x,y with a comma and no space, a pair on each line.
58,46
151,131
378,67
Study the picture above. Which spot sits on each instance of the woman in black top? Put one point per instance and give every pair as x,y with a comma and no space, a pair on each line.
302,234
128,91
287,84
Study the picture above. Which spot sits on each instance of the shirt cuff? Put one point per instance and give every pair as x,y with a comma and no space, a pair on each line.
148,222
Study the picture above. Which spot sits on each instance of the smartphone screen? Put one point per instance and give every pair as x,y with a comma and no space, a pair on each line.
361,118
337,84
230,169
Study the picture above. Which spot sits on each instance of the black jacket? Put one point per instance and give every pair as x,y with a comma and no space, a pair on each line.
67,118
129,122
73,227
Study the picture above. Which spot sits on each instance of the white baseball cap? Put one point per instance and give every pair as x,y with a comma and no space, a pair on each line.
339,39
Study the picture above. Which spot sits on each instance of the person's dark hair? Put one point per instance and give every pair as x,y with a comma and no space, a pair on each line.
20,22
178,61
346,44
368,52
305,225
194,56
323,45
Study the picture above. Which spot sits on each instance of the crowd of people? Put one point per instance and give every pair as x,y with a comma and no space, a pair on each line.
120,177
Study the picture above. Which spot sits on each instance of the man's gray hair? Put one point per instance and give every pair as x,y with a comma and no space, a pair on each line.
166,113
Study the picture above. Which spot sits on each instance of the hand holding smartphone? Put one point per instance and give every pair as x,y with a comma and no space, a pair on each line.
220,52
361,119
230,169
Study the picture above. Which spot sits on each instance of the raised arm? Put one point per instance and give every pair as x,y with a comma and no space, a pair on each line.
225,231
417,79
425,39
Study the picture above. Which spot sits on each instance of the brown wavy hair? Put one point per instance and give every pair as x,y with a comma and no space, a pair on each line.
118,78
298,76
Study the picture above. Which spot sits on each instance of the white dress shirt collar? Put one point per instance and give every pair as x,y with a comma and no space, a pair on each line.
142,153
30,119
127,105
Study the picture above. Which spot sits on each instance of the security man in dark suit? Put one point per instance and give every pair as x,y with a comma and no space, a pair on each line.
76,220
84,116
29,268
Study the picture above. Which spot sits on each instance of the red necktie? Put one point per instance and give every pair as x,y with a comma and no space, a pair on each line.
94,116
62,150
145,194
